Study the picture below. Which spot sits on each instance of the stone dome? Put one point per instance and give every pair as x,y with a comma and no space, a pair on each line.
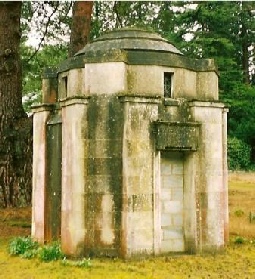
129,39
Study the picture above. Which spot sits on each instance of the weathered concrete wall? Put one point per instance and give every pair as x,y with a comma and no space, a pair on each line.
190,210
184,84
105,78
49,88
145,80
39,171
62,85
138,176
71,84
74,169
207,86
75,85
184,81
103,194
210,184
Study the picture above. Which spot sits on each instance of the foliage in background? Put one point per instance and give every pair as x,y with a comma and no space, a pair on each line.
241,116
45,25
239,154
49,56
108,15
46,21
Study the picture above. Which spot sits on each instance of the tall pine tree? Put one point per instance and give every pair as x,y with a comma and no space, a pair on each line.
15,127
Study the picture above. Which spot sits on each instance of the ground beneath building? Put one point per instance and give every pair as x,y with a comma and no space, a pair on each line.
15,222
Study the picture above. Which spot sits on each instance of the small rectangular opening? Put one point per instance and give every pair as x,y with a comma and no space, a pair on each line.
65,85
168,80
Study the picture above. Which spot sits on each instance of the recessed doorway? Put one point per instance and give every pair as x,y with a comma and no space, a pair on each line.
171,202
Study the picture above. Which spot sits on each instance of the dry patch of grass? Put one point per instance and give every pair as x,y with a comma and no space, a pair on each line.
241,205
15,222
237,261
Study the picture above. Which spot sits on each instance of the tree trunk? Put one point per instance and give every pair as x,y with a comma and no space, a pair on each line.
245,55
245,18
15,126
80,26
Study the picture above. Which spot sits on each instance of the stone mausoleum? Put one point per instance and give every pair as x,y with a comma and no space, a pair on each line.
130,151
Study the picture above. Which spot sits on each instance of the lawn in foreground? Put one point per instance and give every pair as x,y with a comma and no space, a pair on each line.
237,261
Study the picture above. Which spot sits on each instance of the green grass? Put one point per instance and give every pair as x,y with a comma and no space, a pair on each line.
237,260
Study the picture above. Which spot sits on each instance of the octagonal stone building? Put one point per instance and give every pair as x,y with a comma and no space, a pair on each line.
130,153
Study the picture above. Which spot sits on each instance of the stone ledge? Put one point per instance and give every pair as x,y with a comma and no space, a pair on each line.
73,100
211,104
43,107
140,99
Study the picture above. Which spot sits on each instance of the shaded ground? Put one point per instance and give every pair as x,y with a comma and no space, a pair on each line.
237,261
15,222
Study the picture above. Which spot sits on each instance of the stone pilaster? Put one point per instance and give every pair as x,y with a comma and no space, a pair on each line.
138,176
74,168
210,184
40,116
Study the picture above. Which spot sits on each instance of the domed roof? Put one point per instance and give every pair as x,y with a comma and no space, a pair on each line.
130,38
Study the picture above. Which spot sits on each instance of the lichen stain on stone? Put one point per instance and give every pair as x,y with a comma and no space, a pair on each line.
140,202
106,114
130,80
